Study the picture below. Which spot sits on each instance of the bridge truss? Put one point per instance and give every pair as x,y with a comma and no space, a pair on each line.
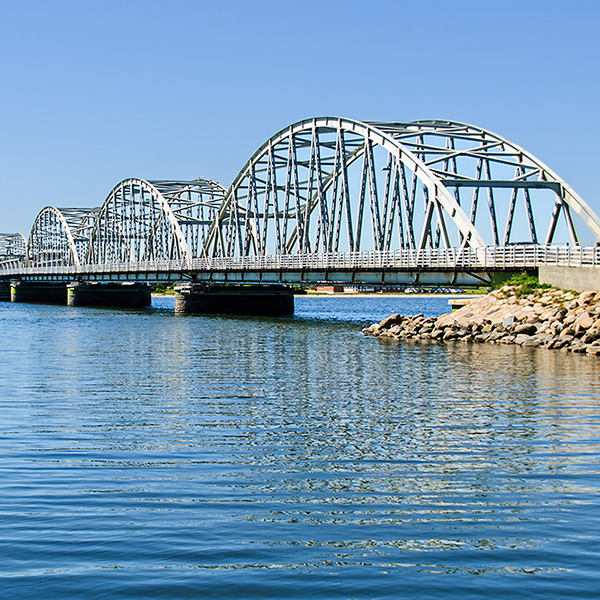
60,236
326,187
13,248
337,185
154,220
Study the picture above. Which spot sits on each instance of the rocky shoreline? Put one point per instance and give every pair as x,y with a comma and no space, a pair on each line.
542,317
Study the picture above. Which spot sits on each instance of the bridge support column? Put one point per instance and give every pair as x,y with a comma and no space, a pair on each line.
274,300
36,291
4,291
136,295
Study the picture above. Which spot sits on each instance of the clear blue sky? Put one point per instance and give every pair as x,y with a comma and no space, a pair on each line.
93,92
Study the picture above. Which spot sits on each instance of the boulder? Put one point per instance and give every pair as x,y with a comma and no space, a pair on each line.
570,319
586,297
533,342
508,322
371,329
526,329
579,348
583,321
567,332
591,336
450,334
391,320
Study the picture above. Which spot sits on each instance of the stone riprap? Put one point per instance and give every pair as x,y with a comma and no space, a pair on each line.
549,318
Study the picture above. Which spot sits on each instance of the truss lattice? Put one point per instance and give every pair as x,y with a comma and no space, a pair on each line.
59,236
154,220
331,185
13,248
323,186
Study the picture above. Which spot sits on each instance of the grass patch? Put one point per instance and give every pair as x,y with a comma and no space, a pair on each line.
524,285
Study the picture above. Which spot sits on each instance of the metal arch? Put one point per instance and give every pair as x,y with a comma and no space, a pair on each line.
154,220
13,249
439,197
194,205
493,149
465,158
59,236
125,230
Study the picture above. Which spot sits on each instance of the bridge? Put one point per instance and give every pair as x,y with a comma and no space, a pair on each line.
326,199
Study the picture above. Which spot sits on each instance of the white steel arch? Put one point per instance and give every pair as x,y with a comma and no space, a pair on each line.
143,220
59,236
13,249
490,150
297,192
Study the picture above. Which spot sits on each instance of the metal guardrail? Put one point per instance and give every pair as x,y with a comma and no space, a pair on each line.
450,259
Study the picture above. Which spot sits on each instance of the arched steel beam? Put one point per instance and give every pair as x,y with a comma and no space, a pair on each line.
509,153
194,204
120,208
13,249
374,136
12,245
61,230
443,170
140,208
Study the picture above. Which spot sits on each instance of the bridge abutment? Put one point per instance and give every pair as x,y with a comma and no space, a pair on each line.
274,300
571,278
40,292
138,295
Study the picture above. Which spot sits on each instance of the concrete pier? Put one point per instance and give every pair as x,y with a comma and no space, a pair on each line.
34,291
116,295
4,291
272,300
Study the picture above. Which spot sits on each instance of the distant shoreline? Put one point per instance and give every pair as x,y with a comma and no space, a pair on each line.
387,295
361,295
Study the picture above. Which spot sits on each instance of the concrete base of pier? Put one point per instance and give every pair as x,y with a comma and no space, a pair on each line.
4,291
33,291
275,300
109,295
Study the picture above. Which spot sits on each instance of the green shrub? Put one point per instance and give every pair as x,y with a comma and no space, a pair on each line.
524,284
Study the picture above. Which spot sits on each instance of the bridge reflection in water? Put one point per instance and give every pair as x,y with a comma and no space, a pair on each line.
324,200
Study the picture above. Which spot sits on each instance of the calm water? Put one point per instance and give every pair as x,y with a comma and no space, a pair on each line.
148,455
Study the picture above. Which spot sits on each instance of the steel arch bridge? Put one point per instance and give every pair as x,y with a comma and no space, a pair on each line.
323,188
330,184
154,220
13,248
60,236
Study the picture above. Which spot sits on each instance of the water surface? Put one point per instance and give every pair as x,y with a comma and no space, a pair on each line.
149,455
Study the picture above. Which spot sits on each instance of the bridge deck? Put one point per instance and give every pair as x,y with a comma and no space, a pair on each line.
459,266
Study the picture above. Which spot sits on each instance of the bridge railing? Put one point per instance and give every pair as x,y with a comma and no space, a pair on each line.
464,259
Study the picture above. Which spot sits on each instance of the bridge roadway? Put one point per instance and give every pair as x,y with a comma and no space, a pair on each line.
466,266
